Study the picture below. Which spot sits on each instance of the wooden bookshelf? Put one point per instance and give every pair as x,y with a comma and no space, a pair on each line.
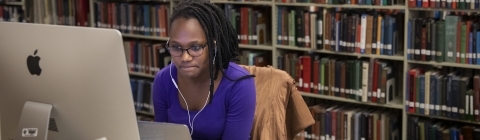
444,9
399,7
141,75
256,47
445,118
14,3
396,104
388,57
267,3
157,38
145,113
445,64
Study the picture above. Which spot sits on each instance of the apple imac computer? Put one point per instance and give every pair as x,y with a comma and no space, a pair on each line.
68,83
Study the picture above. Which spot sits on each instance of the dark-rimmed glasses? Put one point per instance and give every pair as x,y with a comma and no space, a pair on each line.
177,51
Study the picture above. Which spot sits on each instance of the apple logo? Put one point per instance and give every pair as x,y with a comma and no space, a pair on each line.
33,64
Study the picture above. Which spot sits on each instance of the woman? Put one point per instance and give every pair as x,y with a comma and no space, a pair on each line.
214,97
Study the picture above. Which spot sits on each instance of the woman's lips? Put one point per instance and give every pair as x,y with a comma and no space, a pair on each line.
187,68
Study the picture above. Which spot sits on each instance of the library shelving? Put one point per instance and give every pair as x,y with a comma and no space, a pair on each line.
446,118
12,11
396,104
159,38
393,57
13,3
416,57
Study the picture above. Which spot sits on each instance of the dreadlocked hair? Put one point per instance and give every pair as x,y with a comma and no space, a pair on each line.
219,32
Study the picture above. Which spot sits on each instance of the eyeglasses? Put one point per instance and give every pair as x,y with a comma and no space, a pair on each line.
194,51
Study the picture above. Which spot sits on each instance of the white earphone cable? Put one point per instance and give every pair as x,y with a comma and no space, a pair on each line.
186,104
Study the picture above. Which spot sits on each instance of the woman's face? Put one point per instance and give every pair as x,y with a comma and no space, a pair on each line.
188,34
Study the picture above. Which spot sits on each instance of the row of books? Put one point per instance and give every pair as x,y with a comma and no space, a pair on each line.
375,32
446,93
344,122
449,4
11,13
250,22
428,129
299,27
133,18
352,2
146,57
371,80
142,94
58,12
353,31
455,39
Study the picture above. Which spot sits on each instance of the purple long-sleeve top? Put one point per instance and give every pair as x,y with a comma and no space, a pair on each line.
229,116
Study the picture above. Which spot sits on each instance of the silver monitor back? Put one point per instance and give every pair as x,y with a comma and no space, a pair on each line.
81,72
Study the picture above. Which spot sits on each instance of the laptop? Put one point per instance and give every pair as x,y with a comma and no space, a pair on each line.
163,131
65,82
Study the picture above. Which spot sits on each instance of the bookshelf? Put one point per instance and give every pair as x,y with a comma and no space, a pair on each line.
13,3
393,105
391,45
157,38
12,11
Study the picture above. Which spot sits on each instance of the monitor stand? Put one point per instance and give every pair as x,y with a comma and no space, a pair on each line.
35,121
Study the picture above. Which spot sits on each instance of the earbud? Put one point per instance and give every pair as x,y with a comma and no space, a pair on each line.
173,81
215,55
